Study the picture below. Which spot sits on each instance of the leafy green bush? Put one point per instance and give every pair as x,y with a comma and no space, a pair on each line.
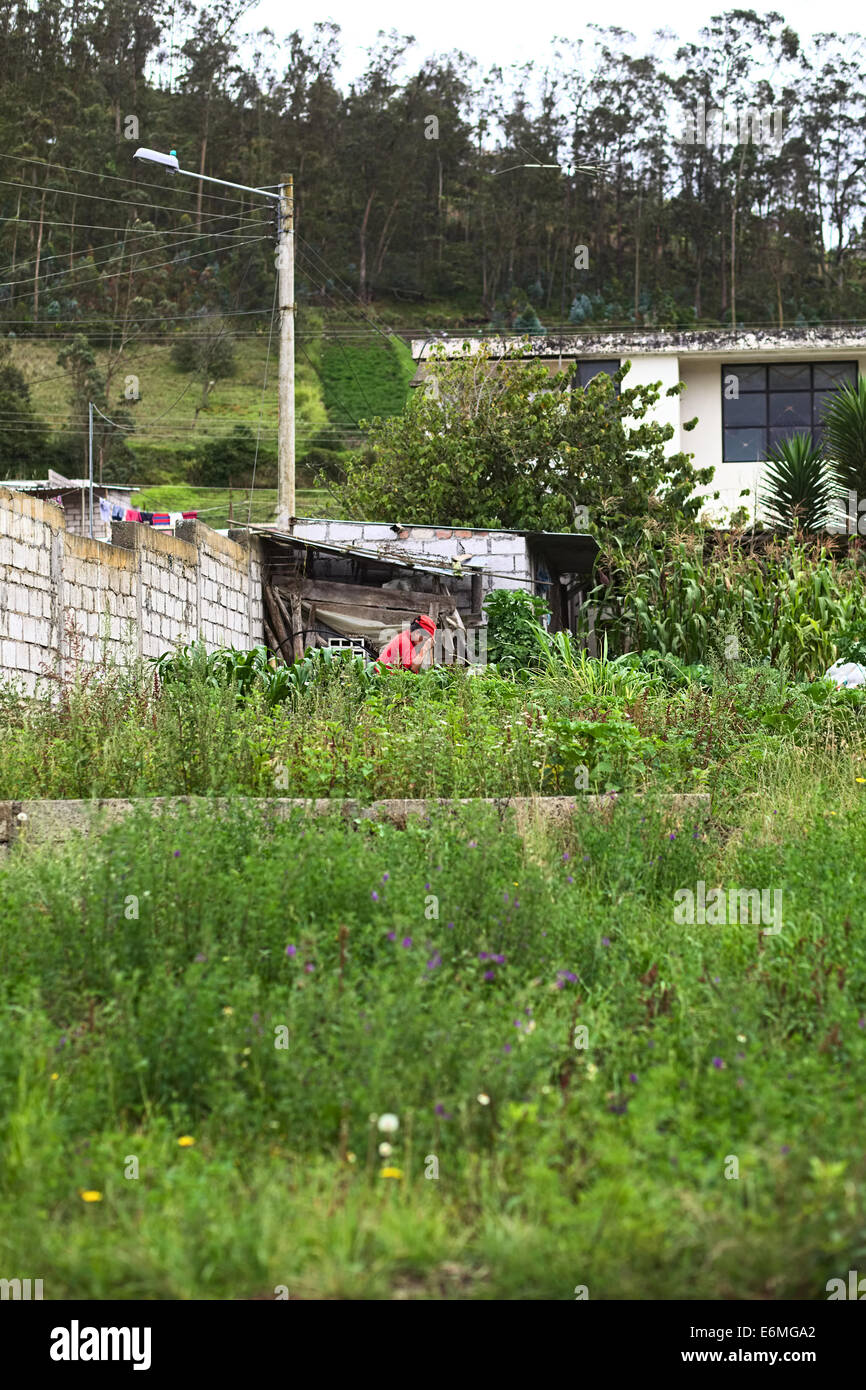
514,625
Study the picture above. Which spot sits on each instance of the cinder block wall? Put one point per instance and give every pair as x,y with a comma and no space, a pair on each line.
66,599
506,557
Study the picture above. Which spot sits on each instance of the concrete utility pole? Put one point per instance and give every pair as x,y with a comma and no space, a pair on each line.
90,460
286,292
285,263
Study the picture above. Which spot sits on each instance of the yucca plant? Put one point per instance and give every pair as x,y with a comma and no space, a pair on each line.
845,436
798,485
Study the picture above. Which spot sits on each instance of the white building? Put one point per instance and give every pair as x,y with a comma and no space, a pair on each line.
748,388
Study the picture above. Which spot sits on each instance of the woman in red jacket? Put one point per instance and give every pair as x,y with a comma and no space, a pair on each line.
411,649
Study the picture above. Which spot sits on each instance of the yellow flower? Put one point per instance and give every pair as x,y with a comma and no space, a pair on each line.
55,1076
351,1158
592,1071
860,779
90,1196
186,1141
228,1010
392,1173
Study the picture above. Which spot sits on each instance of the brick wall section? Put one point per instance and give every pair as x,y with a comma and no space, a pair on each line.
505,554
65,598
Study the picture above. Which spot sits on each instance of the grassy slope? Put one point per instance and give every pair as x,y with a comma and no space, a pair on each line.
334,385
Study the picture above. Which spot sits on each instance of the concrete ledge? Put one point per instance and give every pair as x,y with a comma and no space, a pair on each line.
52,822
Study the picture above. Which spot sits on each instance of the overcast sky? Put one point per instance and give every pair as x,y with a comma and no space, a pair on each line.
496,31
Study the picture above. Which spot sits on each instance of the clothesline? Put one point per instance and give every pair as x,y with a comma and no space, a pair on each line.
113,511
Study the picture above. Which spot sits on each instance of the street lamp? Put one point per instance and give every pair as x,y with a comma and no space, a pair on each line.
285,263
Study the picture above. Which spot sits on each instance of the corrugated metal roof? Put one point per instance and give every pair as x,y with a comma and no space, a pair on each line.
379,557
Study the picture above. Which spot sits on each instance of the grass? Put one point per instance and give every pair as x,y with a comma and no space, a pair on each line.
362,380
151,975
352,732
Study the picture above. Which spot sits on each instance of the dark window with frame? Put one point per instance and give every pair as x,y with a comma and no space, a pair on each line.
764,404
594,366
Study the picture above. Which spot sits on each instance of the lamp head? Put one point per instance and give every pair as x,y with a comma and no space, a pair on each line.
168,161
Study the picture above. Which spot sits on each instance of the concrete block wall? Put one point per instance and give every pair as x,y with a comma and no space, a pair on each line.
506,556
65,599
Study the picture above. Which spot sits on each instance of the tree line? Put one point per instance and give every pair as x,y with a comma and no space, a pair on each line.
406,185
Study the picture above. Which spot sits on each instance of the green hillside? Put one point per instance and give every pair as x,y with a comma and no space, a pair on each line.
336,384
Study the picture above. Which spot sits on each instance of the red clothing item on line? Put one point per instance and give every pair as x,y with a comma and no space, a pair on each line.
132,514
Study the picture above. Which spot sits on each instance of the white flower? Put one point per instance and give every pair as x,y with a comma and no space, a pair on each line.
22,816
388,1124
483,1099
592,1071
385,1150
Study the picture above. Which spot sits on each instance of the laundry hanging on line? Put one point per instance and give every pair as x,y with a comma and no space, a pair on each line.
118,513
104,509
132,514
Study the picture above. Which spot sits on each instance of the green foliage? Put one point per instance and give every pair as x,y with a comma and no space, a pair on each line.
229,459
496,441
845,435
710,603
23,437
798,487
514,620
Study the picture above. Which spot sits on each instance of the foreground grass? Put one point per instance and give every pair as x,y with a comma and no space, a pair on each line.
440,974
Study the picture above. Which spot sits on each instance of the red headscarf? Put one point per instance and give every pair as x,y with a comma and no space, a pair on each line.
427,624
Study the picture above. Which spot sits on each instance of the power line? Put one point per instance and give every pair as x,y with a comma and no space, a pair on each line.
158,266
103,198
179,236
118,178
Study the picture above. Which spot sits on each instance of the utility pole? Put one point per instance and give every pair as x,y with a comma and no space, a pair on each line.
286,292
90,459
285,264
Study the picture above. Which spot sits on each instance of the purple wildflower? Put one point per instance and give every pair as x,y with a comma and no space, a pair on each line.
785,1149
569,879
177,854
718,1063
482,955
309,967
605,941
434,961
473,844
566,857
290,951
375,896
632,1077
450,926
500,960
490,974
673,835
385,878
392,936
